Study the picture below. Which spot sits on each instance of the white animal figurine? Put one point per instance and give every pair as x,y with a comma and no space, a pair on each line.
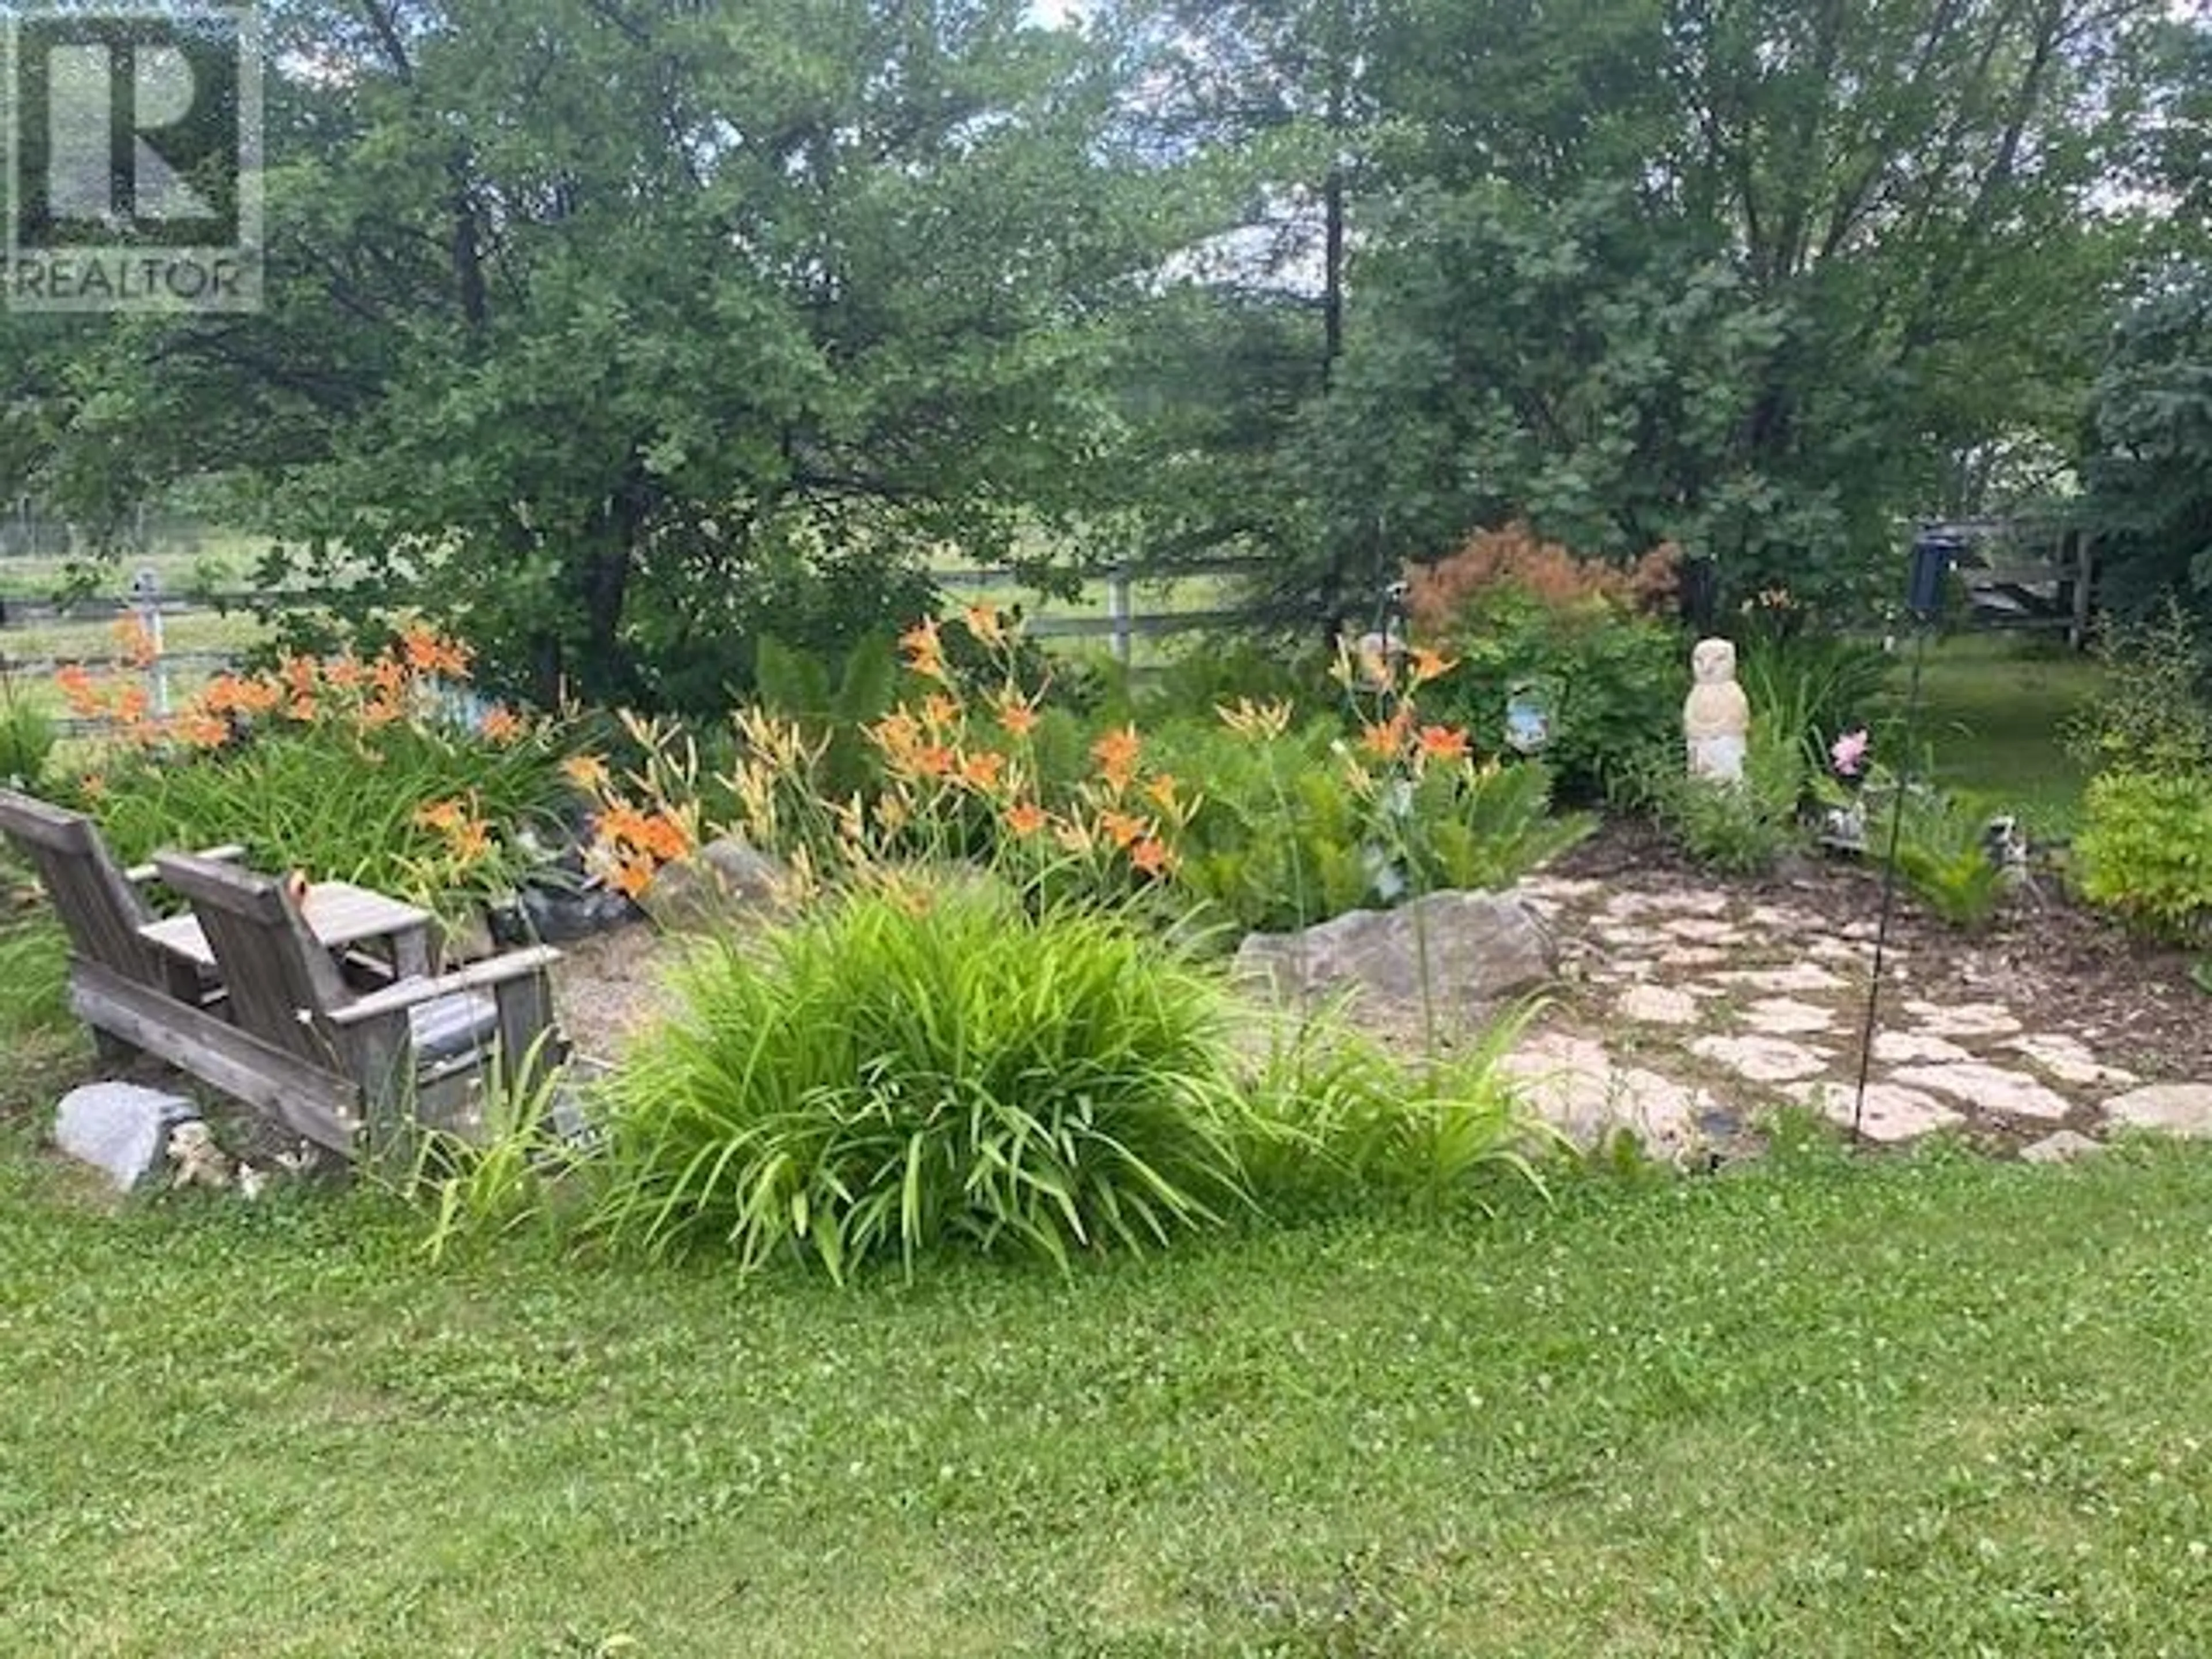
199,1161
1716,715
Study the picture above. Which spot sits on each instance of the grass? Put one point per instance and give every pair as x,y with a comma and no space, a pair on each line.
1993,708
1819,1409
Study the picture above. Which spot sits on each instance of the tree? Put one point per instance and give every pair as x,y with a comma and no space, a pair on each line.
621,331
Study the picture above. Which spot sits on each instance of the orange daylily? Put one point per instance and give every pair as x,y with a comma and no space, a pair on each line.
1151,856
134,643
585,771
1016,718
203,730
981,770
1116,754
984,624
939,710
500,724
1383,740
1123,829
1025,818
1443,743
924,648
1431,664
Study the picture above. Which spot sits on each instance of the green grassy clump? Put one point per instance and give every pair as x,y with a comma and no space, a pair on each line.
1886,1408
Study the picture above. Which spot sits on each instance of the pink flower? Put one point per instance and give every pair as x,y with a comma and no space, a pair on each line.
1849,752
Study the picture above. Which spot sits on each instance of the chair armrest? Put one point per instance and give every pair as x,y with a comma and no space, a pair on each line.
228,853
499,970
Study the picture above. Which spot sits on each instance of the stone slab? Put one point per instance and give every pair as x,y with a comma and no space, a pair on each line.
121,1129
1762,1058
1892,1113
1658,1004
2177,1108
2064,1147
2069,1060
1963,1019
1990,1088
1917,1048
1794,980
1785,1017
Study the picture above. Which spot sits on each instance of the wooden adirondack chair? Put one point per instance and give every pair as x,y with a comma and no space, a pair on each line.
100,903
328,1062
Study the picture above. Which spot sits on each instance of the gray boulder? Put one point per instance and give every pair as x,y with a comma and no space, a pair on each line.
120,1129
727,878
1481,948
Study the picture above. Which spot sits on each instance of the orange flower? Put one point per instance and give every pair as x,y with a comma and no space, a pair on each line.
1161,792
1383,741
939,710
469,840
442,816
76,685
981,770
925,650
934,760
983,623
663,837
1443,743
256,697
93,785
500,724
389,674
585,771
134,641
203,730
345,671
1116,754
1025,818
130,704
1016,718
379,710
429,653
302,709
1123,829
632,876
1430,665
897,735
1151,856
301,676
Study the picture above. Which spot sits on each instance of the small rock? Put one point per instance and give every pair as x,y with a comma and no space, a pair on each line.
1917,1047
1574,1085
1989,1088
1891,1113
2070,1060
1796,979
1658,1004
1964,1019
2180,1108
1705,930
2062,1147
725,879
120,1129
1782,1017
1761,1059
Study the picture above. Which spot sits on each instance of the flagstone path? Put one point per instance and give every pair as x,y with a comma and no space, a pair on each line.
1686,1012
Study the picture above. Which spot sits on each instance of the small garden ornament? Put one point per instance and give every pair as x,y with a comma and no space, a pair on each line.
1716,715
199,1162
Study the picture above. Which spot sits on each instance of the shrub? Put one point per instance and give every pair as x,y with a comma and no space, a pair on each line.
1611,680
1943,855
2152,715
914,1066
27,740
1813,688
2145,849
1740,828
1513,558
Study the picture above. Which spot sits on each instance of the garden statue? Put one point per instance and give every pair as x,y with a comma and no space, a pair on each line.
1716,716
199,1162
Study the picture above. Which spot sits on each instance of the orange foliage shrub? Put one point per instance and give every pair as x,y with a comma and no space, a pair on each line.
1546,571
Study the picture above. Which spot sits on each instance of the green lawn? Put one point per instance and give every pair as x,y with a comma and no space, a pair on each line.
1819,1409
1993,708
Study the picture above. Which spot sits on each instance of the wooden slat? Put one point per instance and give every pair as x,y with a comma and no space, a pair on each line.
477,976
317,1103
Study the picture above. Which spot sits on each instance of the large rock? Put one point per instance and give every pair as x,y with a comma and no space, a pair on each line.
727,878
1479,948
120,1129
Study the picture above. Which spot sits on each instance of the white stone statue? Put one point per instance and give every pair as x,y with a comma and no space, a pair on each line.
1716,715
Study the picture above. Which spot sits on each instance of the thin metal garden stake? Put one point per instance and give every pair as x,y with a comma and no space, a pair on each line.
1889,880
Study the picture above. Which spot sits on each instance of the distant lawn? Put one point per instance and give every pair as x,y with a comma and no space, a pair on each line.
1901,1408
1993,707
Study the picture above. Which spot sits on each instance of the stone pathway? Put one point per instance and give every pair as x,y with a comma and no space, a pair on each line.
1687,1014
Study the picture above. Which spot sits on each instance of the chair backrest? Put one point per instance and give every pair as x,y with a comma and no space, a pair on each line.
99,908
282,983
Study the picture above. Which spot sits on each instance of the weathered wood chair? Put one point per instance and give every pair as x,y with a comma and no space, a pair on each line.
100,903
329,1062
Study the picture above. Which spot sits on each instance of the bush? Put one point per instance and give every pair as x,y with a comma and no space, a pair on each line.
2152,715
912,1067
1813,688
2145,850
1944,857
1612,680
1738,829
